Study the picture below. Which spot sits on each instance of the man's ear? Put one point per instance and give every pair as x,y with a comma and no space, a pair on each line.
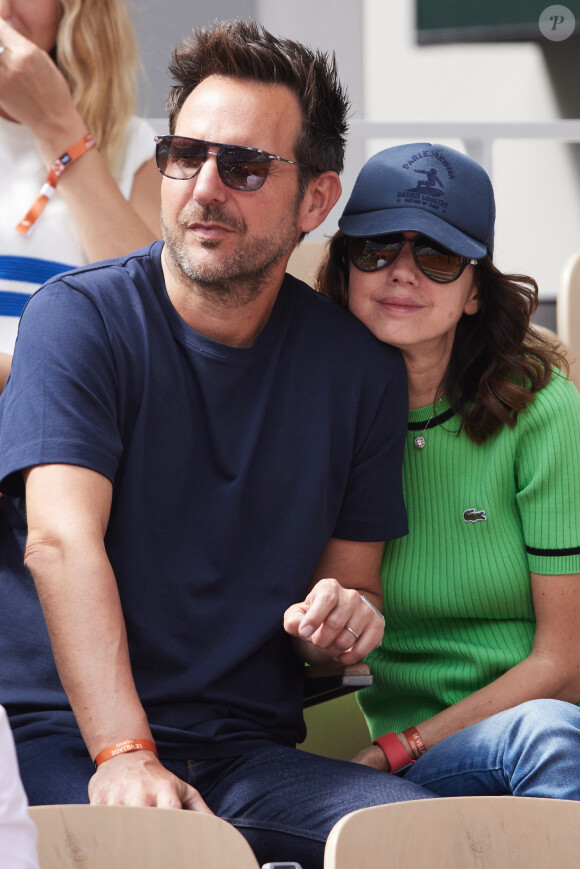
321,196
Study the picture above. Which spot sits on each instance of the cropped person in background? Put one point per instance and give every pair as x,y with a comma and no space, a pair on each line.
67,79
482,598
17,831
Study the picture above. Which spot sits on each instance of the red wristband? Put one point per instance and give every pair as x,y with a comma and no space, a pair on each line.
416,744
394,751
61,163
123,747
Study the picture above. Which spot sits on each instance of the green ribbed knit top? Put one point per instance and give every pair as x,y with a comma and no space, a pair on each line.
457,591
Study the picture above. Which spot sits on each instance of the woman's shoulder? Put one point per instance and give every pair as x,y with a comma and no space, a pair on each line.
557,400
560,387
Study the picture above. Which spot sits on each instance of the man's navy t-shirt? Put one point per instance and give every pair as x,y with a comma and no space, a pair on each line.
231,470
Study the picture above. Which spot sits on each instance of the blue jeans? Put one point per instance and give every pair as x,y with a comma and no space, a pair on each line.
284,801
532,750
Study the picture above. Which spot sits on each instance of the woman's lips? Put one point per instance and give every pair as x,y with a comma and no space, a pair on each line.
400,304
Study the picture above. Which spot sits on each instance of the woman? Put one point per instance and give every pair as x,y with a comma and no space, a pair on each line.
482,598
67,78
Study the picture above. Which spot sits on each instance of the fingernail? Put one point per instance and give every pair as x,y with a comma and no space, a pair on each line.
306,631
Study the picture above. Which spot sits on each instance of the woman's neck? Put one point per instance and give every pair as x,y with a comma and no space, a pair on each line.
425,373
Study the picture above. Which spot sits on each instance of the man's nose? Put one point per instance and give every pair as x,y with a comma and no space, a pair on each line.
209,186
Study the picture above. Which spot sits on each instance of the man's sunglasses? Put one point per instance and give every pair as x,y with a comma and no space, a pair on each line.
240,167
436,263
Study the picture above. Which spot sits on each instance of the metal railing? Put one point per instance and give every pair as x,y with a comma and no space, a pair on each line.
478,136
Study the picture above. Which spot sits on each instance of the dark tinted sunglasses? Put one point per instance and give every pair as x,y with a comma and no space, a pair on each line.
436,262
240,167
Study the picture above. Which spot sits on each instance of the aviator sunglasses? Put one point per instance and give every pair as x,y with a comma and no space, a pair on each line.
239,167
436,262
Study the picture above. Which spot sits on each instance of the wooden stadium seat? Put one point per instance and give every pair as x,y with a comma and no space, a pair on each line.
568,307
559,343
123,837
459,833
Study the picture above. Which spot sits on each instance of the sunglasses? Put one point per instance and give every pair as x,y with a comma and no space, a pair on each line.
239,167
435,262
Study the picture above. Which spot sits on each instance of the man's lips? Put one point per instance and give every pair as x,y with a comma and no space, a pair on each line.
210,231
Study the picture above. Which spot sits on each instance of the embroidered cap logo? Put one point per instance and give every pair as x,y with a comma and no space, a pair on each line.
428,192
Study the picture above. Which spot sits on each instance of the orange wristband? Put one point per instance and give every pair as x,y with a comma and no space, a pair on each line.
394,751
60,164
416,744
123,747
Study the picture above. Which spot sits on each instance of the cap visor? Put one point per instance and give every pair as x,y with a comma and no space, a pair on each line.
411,219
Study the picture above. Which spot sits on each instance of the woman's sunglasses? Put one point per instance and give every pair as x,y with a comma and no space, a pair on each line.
239,167
436,263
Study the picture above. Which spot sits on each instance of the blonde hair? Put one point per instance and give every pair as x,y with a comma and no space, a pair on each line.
97,54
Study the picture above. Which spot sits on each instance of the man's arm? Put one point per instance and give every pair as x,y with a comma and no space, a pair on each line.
345,592
68,511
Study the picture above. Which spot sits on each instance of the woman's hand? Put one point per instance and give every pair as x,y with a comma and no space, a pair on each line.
372,756
336,621
34,92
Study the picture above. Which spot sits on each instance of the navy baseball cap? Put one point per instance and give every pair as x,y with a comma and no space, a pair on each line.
424,188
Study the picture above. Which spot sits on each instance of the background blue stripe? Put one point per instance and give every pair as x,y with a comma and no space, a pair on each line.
29,269
12,304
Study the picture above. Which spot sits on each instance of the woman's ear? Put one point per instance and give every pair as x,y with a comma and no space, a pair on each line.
473,302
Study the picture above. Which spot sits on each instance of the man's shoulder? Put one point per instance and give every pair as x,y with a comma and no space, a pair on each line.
335,325
137,266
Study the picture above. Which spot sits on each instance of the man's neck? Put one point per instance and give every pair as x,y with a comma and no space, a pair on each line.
227,318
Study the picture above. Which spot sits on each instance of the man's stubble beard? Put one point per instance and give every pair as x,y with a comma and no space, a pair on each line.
240,276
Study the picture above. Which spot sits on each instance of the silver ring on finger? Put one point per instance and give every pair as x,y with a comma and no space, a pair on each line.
350,630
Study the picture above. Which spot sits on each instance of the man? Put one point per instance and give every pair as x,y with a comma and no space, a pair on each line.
204,442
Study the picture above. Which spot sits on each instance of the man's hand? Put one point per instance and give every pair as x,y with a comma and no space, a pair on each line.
137,778
337,621
372,756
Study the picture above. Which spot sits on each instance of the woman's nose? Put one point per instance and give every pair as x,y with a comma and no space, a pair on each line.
404,267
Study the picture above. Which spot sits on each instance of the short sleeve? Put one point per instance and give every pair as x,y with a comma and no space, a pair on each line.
373,507
548,478
59,405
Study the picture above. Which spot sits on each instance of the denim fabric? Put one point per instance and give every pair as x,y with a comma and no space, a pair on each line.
532,750
286,801
283,801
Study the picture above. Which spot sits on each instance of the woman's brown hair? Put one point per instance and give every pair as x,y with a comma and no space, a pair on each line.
498,361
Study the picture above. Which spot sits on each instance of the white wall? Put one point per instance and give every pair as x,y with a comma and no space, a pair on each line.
390,78
536,183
